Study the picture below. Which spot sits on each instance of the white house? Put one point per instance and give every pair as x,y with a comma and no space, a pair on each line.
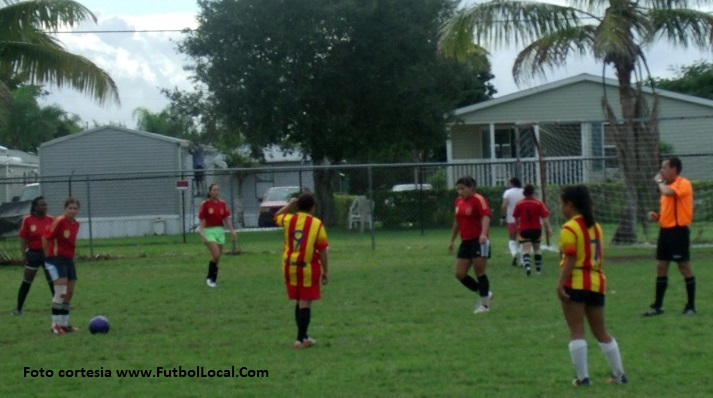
495,140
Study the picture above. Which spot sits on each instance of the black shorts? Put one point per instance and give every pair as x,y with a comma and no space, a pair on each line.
61,267
531,235
587,297
472,248
674,244
35,259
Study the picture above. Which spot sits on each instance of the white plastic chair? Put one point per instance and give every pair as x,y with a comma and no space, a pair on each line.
360,212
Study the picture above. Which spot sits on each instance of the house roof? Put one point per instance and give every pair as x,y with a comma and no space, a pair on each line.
145,134
584,77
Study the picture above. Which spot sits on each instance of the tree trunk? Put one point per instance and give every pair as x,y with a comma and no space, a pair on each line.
637,142
324,182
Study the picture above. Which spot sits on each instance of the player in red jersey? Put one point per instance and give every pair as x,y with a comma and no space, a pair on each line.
472,221
531,215
304,259
33,227
213,213
58,244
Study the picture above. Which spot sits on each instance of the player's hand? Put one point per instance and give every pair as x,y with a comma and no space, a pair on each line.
234,235
325,278
658,177
653,216
450,248
562,294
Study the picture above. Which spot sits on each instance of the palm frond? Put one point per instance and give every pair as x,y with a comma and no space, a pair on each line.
43,14
681,27
618,36
552,51
500,23
54,66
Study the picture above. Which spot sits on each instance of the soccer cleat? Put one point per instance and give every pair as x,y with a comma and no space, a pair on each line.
490,298
306,343
514,261
580,383
617,380
57,329
70,329
539,272
16,312
527,271
652,311
211,283
689,310
481,309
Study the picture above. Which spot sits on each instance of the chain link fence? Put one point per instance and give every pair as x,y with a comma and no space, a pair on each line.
350,197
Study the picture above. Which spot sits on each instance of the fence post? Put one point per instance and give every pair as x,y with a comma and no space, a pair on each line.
371,213
89,218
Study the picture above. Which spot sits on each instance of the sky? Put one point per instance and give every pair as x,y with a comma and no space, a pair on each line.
141,63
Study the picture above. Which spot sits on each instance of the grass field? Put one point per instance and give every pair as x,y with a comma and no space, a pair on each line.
393,322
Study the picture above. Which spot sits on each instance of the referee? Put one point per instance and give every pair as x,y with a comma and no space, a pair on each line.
674,236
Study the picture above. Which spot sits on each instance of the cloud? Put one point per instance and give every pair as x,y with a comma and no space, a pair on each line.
141,63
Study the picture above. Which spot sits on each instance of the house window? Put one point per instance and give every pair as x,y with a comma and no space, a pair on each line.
561,139
611,161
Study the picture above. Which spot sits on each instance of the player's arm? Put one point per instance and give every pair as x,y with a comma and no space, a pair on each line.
288,208
565,275
485,221
454,234
229,223
503,210
663,187
324,260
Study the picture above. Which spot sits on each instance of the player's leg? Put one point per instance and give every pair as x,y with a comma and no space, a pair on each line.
214,249
574,316
607,343
690,281
66,305
303,319
461,273
480,264
513,244
526,249
27,278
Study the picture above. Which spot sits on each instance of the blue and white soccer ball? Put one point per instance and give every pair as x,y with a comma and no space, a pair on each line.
99,324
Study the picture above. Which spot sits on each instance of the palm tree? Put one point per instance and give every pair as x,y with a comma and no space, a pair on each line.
30,54
615,32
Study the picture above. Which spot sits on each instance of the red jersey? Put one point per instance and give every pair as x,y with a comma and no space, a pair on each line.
62,237
213,212
469,214
32,229
528,212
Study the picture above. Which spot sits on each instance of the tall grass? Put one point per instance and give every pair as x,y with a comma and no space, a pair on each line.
392,322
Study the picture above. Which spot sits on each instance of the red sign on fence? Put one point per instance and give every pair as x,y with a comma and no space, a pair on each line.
182,184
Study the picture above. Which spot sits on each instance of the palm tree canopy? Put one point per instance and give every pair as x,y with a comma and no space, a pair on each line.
613,31
27,49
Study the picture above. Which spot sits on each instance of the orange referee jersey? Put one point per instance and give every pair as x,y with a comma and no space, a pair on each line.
677,210
585,244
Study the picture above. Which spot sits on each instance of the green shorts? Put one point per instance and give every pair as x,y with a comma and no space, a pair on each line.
215,234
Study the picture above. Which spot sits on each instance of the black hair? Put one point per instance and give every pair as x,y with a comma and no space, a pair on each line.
579,196
70,201
35,203
516,182
529,190
209,188
675,162
468,181
305,202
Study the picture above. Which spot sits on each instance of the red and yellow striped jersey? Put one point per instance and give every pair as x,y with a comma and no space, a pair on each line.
305,238
585,244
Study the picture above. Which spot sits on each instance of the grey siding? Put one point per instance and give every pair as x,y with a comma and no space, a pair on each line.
96,155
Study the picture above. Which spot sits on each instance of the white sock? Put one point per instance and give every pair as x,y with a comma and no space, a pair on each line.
578,353
55,319
63,320
611,352
513,248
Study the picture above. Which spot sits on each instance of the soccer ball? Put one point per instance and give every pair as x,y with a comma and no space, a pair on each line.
99,324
